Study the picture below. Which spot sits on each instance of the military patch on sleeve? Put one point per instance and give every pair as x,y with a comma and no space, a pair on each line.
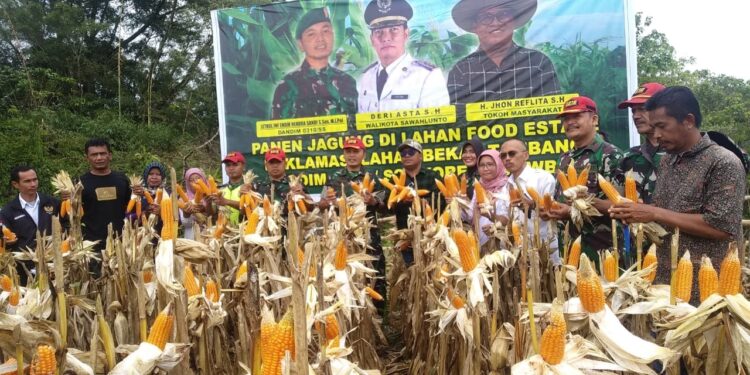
423,64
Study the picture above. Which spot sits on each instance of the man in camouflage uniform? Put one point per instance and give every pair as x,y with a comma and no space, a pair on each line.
277,182
580,120
354,153
316,88
643,159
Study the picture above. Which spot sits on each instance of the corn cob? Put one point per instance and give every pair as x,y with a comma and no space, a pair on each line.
466,253
241,270
105,332
366,182
212,187
443,189
167,218
574,254
191,286
547,201
221,225
589,287
181,193
332,327
402,195
148,196
708,279
583,177
422,192
427,213
199,195
203,187
572,175
455,299
131,204
401,178
473,244
463,184
212,291
373,294
515,230
44,362
138,208
630,191
159,195
610,267
612,194
339,261
386,184
445,218
514,194
729,274
451,183
162,328
15,296
6,283
267,207
252,222
562,179
277,339
302,206
148,276
648,260
552,348
64,207
8,234
534,195
65,246
682,280
356,187
479,192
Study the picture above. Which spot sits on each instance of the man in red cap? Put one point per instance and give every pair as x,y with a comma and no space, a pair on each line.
276,185
580,120
354,154
229,194
643,159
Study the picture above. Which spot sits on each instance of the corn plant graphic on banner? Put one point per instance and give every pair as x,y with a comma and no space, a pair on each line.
304,75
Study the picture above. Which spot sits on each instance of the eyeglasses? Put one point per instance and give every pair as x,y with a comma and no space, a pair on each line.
487,166
408,152
486,19
509,154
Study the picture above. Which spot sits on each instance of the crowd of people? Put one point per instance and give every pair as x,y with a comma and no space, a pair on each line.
684,179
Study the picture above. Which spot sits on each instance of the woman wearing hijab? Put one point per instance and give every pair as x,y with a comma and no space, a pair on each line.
193,212
494,180
470,152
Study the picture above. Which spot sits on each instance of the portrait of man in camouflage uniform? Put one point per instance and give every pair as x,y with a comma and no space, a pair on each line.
316,88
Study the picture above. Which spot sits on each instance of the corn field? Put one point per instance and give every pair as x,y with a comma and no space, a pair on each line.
290,290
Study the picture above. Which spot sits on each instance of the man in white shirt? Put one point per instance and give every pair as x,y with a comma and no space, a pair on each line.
514,156
397,81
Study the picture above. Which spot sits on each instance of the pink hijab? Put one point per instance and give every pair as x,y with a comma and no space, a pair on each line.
494,185
189,189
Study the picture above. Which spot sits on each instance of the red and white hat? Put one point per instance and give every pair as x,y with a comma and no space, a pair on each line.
578,104
642,94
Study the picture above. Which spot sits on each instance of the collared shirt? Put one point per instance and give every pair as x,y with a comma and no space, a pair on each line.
643,160
31,208
543,183
708,180
279,187
604,158
307,92
523,73
425,179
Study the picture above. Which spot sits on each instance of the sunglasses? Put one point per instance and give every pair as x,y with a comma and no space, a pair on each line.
502,17
509,154
408,152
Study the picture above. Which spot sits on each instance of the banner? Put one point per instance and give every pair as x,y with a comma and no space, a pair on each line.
303,75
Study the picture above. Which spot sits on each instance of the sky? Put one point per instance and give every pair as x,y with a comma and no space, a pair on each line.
714,32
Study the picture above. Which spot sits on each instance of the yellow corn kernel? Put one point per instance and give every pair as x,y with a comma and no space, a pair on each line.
8,234
583,177
373,294
630,190
466,252
648,260
445,218
212,291
212,187
302,206
572,175
589,287
162,328
562,179
191,286
612,194
401,178
463,185
452,184
366,182
610,267
515,230
513,193
552,348
252,222
44,362
442,188
574,253
730,273
534,195
455,299
15,296
241,270
386,184
148,276
148,196
6,283
131,205
181,193
547,201
479,192
167,219
64,207
682,280
339,261
708,279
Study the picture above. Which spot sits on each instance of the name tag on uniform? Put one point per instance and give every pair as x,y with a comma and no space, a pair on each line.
106,193
18,217
397,97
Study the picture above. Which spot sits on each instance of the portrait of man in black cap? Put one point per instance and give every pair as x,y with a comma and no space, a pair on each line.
316,88
499,69
396,80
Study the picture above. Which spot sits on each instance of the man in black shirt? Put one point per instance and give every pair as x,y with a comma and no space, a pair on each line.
28,213
105,195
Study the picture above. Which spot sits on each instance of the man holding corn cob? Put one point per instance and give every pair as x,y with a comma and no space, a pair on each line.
643,159
229,194
580,120
277,184
355,178
700,187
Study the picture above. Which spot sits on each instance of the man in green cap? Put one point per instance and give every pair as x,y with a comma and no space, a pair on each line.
316,88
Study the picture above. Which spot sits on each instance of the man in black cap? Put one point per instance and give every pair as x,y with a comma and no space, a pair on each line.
316,88
396,80
499,69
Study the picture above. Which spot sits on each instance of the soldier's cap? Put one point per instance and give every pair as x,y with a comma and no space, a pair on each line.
412,144
578,104
275,153
466,12
642,94
234,157
310,18
354,142
385,13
